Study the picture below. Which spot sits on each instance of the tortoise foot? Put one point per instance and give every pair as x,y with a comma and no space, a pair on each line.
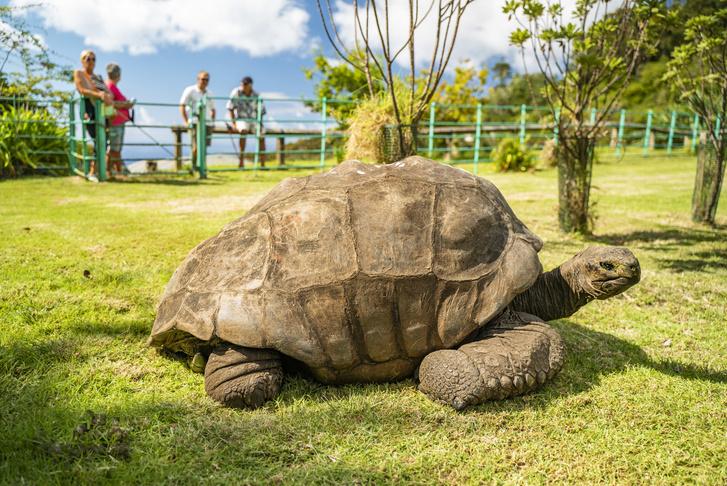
241,377
509,357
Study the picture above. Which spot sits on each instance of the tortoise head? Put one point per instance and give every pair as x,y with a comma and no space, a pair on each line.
604,271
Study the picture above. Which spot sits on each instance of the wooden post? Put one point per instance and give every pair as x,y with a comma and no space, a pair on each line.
178,147
280,148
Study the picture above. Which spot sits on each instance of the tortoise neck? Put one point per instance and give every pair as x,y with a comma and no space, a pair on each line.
554,295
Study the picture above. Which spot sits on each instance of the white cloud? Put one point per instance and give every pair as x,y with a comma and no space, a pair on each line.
260,28
484,32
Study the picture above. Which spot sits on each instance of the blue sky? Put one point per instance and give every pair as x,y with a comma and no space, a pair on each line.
162,44
161,48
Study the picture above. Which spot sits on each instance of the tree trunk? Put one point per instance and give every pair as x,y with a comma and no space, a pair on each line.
575,165
708,183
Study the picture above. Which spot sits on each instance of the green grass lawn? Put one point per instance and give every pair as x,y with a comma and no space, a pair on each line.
642,397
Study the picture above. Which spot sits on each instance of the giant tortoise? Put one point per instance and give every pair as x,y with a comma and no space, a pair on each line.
370,273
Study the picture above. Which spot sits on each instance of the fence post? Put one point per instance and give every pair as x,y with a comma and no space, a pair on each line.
324,103
556,126
647,133
523,116
71,137
619,140
478,131
593,116
202,137
100,149
672,124
84,147
695,129
432,114
718,129
258,129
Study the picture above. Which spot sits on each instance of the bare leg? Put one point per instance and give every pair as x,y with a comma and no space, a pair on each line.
261,141
242,377
511,356
242,151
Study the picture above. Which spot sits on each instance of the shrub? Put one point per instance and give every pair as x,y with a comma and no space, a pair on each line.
30,138
511,156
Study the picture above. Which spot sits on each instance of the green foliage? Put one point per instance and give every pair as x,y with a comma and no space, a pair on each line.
338,80
33,70
698,69
24,134
466,88
510,156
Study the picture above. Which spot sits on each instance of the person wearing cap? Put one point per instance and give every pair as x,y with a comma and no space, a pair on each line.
87,84
188,108
116,124
242,108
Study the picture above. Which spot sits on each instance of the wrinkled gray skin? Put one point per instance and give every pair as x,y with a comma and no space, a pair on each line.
377,273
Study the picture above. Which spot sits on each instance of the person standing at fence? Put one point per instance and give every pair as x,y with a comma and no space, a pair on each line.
242,107
188,108
86,82
117,123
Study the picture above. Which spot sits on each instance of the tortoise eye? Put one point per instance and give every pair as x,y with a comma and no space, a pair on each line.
607,265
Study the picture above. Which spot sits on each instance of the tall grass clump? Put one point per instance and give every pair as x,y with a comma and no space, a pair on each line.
366,126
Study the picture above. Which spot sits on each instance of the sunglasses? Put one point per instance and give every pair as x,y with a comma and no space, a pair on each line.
204,79
90,58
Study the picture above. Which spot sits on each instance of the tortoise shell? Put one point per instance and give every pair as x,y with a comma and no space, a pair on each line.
358,272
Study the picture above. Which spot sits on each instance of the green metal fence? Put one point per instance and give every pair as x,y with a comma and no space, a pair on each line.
456,134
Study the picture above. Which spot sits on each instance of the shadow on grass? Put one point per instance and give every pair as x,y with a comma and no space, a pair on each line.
168,181
681,237
592,354
708,257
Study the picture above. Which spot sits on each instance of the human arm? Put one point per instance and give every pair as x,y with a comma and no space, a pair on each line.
183,111
232,117
84,88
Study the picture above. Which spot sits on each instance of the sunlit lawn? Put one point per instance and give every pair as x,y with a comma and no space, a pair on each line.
642,397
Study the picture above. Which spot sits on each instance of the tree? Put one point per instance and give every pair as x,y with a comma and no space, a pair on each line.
339,80
21,48
466,89
586,63
373,33
502,72
698,71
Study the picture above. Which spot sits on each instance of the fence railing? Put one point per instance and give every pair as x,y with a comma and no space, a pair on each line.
457,134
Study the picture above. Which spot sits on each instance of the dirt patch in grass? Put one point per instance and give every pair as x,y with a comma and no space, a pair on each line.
220,204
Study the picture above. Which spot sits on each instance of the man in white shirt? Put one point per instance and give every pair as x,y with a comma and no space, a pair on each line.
188,108
242,107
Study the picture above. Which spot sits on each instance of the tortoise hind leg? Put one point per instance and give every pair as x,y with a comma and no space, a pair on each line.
242,377
511,356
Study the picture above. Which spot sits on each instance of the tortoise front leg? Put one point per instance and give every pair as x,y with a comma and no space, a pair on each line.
510,356
242,377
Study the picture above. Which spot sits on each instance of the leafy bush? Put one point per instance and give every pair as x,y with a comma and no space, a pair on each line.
30,138
511,156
